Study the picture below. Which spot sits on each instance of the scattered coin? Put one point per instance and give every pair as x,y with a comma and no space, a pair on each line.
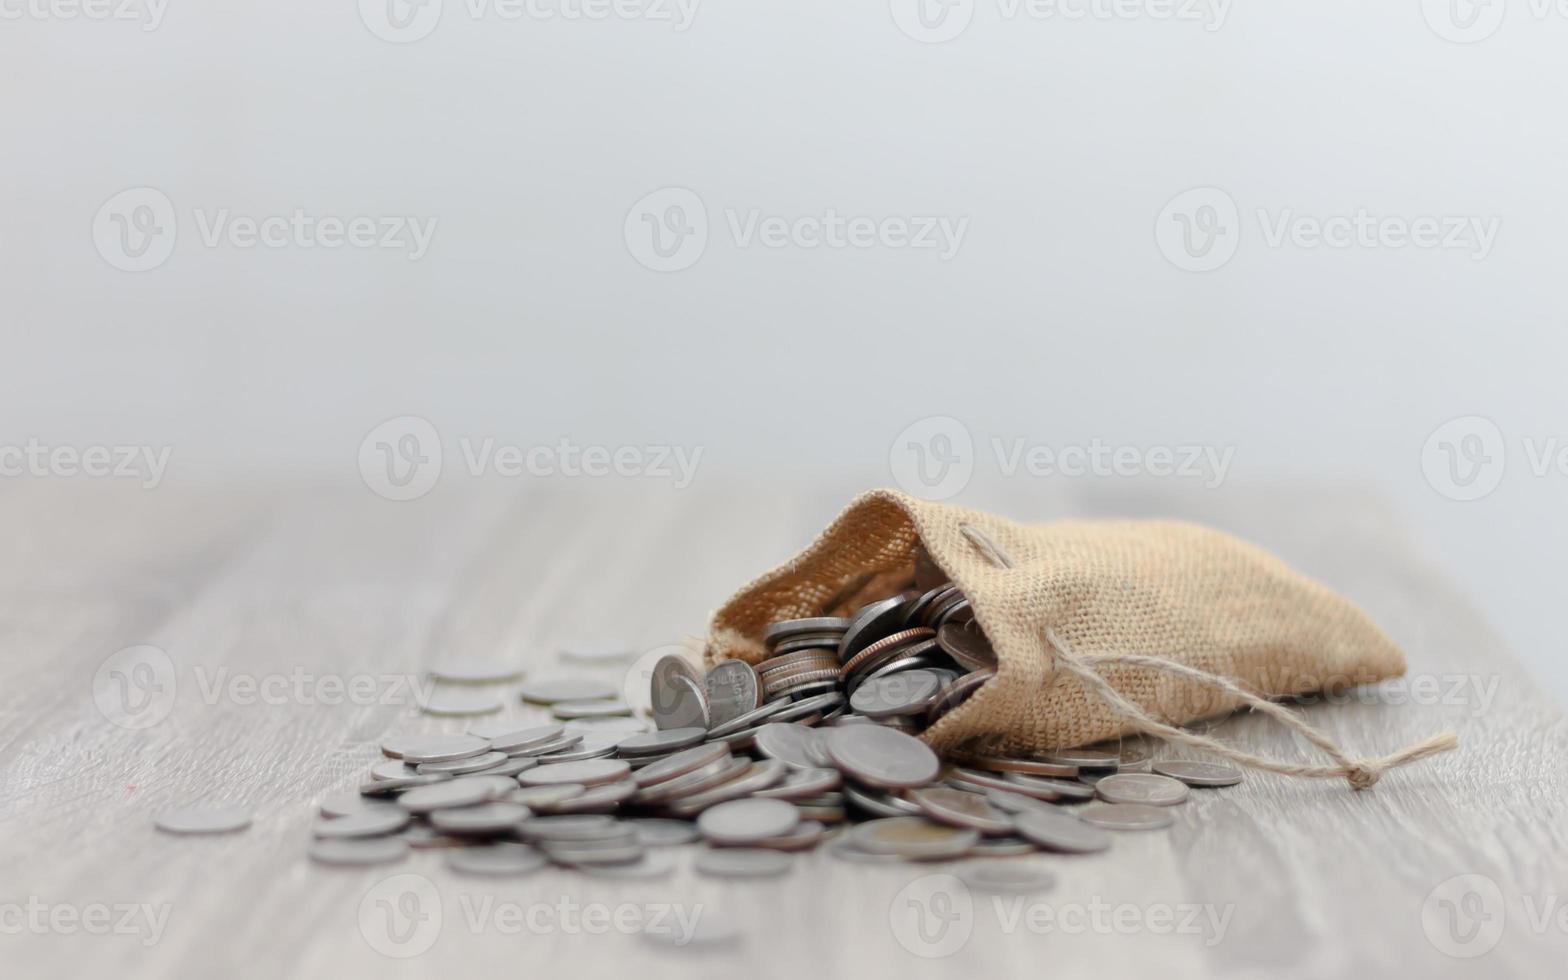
679,699
1006,845
574,828
392,769
345,804
1198,773
592,708
742,862
1046,788
882,757
495,817
514,740
544,796
595,799
445,795
747,821
914,837
370,823
415,749
502,858
475,671
359,850
658,832
553,689
680,763
732,691
593,746
1034,767
1126,816
1084,759
869,624
664,740
758,775
908,692
590,772
803,784
1058,830
509,765
458,766
789,743
803,836
1139,787
459,701
202,820
967,645
879,804
392,787
750,719
961,809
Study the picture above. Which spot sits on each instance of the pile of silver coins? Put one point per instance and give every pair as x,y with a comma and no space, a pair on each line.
817,742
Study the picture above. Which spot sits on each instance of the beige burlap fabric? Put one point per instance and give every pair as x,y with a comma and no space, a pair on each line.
1170,590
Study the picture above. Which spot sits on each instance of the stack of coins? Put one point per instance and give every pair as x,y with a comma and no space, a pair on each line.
815,742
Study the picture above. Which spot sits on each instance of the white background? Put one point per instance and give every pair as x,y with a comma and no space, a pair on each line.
1059,320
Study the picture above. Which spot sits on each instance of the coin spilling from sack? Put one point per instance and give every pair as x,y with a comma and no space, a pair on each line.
759,762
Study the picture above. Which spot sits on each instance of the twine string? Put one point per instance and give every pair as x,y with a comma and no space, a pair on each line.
1360,773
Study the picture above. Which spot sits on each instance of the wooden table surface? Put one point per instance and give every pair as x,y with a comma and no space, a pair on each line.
294,587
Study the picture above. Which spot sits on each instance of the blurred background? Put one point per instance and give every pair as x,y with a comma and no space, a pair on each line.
1195,246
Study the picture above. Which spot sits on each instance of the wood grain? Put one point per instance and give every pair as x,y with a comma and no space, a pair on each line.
334,583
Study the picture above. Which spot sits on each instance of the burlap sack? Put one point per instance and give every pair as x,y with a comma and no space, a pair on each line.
1156,588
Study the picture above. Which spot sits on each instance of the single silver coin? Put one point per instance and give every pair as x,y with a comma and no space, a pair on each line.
203,820
844,848
907,692
495,817
459,702
1056,829
802,837
747,821
445,795
915,838
879,804
420,838
1047,787
750,719
549,690
660,832
582,854
473,670
1141,787
961,809
595,799
774,632
1126,816
358,850
1085,758
497,785
592,708
392,769
882,757
1005,845
574,828
1198,773
676,690
510,766
591,746
415,749
563,744
742,862
792,744
724,770
346,804
457,767
535,797
514,740
760,775
871,623
664,740
502,858
652,865
803,784
732,690
589,772
680,763
1005,877
370,823
392,787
